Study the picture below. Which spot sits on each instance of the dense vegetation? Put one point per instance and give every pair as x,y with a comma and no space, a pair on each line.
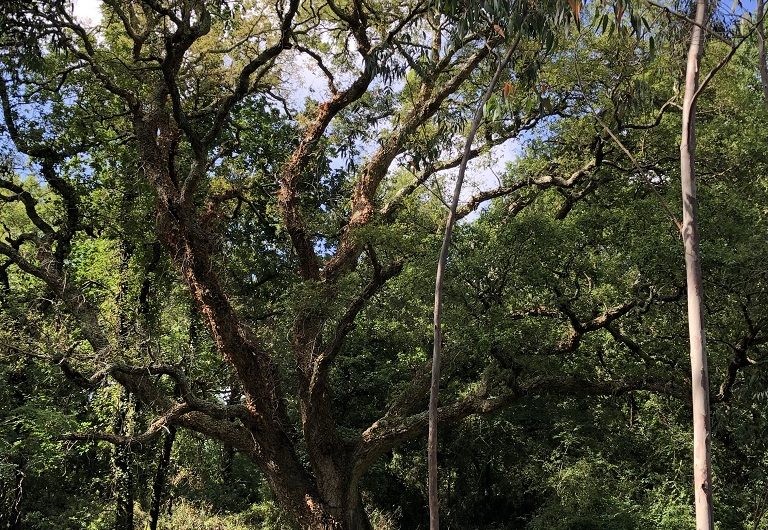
219,225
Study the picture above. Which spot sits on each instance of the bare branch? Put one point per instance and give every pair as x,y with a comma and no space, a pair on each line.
320,64
656,122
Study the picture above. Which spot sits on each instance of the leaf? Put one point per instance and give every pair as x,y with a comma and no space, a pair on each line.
506,89
619,9
499,30
576,8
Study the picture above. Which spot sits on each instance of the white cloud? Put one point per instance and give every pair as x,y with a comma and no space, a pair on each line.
88,12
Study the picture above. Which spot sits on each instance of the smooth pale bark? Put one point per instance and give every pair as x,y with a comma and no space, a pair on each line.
434,389
702,468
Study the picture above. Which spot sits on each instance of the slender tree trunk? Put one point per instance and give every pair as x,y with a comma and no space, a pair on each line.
14,517
702,473
434,389
761,55
160,474
123,472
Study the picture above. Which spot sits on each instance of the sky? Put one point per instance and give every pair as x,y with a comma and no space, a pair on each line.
482,174
87,11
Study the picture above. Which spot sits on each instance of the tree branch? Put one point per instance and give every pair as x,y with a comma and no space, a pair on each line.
388,432
541,182
377,166
155,429
345,324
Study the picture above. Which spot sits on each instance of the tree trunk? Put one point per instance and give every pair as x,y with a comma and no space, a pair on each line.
325,498
123,472
761,55
159,482
337,505
320,517
702,475
434,389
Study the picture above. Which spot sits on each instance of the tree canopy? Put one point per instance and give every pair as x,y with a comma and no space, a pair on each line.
219,227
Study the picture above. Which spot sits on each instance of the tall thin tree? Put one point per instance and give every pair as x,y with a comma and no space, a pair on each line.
434,510
761,55
702,466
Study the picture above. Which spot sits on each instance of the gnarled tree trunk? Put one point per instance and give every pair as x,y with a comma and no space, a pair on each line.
337,507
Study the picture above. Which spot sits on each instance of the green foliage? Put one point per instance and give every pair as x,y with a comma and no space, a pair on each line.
530,277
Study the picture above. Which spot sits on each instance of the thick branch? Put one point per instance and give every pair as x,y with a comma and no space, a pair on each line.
388,209
288,196
193,413
155,429
579,328
29,202
345,324
738,361
243,81
388,432
377,166
78,306
541,182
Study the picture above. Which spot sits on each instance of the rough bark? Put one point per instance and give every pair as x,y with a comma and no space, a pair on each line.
702,474
323,494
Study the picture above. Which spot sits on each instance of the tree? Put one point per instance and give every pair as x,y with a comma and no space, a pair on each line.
762,66
702,465
254,266
182,133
